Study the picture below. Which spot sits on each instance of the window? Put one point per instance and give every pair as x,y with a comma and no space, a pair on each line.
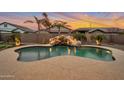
5,25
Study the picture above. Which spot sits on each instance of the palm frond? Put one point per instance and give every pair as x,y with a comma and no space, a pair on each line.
45,15
36,19
28,21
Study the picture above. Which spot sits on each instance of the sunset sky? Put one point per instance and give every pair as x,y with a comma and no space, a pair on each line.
74,19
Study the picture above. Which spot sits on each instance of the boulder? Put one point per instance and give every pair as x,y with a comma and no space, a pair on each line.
64,40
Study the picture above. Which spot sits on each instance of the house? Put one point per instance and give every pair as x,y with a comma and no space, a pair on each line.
6,27
110,30
55,30
106,30
81,30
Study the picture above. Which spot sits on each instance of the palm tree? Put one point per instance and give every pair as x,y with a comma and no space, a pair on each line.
45,21
99,39
36,21
60,24
41,22
38,25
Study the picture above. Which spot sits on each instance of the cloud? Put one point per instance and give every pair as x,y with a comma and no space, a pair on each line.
74,19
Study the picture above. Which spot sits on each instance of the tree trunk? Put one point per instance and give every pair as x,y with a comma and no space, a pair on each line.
49,29
59,30
38,33
38,24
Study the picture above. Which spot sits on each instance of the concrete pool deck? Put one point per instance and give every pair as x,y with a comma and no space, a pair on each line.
61,67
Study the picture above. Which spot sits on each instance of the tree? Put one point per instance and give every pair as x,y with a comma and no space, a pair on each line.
99,39
60,24
79,36
40,23
45,21
36,21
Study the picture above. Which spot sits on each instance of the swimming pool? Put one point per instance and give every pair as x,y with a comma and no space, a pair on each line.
39,52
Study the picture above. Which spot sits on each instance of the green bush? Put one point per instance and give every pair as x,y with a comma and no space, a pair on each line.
100,38
122,33
5,45
15,35
79,36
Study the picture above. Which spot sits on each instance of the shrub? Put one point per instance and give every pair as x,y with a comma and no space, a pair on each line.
79,36
100,38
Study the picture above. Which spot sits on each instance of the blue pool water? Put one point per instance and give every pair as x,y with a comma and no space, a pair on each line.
38,53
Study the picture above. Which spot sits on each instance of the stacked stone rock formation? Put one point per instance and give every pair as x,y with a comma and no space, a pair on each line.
64,40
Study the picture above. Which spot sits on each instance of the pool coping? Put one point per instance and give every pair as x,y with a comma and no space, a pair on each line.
48,45
113,50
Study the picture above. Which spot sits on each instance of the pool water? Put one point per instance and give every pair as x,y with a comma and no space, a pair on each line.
38,53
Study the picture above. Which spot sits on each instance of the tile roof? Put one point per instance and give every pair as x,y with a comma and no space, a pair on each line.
26,29
105,30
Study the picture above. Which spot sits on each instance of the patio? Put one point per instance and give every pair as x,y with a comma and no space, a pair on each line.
63,67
